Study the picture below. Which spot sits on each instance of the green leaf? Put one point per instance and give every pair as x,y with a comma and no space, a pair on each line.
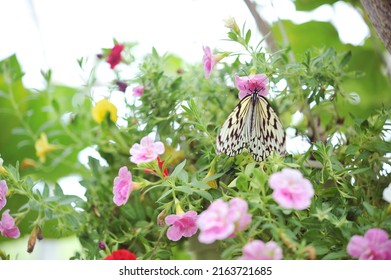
184,189
204,194
178,169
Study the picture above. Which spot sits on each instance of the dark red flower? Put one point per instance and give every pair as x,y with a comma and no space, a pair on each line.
121,254
121,86
114,58
161,162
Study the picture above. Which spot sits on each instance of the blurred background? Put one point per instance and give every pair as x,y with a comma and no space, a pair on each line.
54,34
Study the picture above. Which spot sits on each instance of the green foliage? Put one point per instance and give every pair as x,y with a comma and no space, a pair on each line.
314,76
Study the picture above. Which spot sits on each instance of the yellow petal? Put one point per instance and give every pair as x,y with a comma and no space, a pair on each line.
42,147
100,110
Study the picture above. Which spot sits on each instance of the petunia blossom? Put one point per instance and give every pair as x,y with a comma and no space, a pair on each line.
146,151
291,189
123,186
138,90
114,57
258,250
222,220
181,225
374,245
3,193
122,86
387,194
102,108
248,84
121,254
209,60
7,226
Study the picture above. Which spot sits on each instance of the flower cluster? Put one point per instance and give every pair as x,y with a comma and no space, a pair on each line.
8,227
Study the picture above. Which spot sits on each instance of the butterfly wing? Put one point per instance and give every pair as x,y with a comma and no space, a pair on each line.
230,140
254,125
264,129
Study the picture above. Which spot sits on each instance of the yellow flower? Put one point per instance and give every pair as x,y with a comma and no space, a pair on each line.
42,147
2,169
231,24
101,109
211,172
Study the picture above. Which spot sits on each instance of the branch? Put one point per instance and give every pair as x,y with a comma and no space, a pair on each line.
262,25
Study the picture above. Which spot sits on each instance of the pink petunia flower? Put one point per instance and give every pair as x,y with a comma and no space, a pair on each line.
208,61
222,220
181,225
123,186
258,250
139,90
248,84
3,193
146,151
291,189
114,57
7,226
374,245
239,210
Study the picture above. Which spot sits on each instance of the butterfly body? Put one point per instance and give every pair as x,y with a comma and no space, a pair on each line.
253,125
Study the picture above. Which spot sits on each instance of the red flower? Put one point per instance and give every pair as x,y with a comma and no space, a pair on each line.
121,254
161,162
114,58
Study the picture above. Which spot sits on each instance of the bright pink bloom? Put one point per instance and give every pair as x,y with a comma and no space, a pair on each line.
209,61
123,186
374,245
3,193
291,189
248,84
139,90
146,151
7,226
222,220
181,225
258,250
114,57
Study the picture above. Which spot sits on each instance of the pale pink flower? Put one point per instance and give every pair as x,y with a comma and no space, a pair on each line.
374,245
123,186
181,225
3,193
248,84
139,90
258,250
7,226
146,151
222,220
209,61
291,189
239,210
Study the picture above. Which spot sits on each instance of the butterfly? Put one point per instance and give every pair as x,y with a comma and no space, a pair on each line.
254,125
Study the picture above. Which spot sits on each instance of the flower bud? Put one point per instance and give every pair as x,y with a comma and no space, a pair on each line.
32,239
160,218
231,23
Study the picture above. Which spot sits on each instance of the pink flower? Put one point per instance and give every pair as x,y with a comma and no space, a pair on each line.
114,57
209,61
146,151
3,193
239,208
291,189
7,226
139,90
374,245
248,84
123,186
181,225
258,250
222,220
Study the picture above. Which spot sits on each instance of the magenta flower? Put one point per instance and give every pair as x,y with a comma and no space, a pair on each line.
139,90
114,57
291,189
258,250
123,186
146,151
374,245
222,220
3,193
248,84
7,226
181,225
